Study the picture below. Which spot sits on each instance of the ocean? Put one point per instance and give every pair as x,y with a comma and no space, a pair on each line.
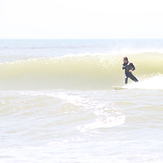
58,105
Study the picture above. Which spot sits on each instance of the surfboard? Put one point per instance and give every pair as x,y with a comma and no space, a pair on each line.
119,87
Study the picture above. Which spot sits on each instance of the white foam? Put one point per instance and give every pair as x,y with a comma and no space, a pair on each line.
155,82
105,118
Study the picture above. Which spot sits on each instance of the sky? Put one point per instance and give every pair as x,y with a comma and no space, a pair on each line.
81,19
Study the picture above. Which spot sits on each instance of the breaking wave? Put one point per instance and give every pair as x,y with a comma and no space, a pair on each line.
98,71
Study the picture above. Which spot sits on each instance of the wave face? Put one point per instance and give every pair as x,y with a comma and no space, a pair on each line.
98,71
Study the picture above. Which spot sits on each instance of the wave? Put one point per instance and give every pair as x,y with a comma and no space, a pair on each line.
98,71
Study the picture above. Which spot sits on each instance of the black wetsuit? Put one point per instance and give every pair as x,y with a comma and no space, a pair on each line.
129,74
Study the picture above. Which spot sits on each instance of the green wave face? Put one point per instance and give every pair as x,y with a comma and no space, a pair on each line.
100,71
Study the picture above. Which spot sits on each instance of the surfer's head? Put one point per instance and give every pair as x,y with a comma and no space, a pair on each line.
125,59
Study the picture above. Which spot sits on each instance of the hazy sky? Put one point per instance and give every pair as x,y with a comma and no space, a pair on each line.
78,19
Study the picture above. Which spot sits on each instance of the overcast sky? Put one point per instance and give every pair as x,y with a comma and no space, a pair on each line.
81,19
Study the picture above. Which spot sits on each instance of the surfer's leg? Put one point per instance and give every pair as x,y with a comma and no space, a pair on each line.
132,77
126,80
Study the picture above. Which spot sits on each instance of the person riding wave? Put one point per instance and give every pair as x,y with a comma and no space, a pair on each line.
128,67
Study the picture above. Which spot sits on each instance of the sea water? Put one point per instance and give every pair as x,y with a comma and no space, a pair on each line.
57,102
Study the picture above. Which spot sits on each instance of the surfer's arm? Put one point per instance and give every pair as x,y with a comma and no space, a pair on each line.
132,67
124,66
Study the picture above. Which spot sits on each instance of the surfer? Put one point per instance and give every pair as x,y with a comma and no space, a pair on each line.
128,67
